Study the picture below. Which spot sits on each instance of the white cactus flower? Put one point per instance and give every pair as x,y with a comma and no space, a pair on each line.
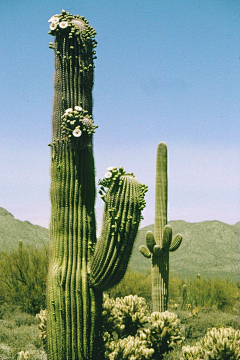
78,108
67,111
53,19
108,175
63,24
77,133
53,26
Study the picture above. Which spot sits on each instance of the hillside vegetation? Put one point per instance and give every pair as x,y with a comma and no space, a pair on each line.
209,248
13,230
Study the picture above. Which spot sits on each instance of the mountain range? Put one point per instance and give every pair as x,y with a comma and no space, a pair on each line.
209,248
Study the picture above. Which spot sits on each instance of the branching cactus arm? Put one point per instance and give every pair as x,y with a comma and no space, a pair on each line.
160,243
124,202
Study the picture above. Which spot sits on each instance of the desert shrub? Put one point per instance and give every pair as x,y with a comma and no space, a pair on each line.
206,294
19,338
18,332
133,282
175,288
218,344
23,275
217,294
12,314
194,328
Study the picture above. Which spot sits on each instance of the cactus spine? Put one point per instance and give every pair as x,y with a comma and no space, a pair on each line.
78,273
161,242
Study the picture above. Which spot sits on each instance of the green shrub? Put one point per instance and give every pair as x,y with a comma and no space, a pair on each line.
23,281
208,293
23,275
133,282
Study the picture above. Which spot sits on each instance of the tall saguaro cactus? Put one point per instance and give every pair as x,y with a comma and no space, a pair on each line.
160,243
78,270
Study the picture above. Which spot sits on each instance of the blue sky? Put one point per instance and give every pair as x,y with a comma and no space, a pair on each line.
166,71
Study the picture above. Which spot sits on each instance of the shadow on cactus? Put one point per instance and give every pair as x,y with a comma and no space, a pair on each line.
161,242
80,268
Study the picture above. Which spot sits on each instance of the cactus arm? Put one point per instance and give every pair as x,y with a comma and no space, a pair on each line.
144,250
167,237
124,201
176,242
150,241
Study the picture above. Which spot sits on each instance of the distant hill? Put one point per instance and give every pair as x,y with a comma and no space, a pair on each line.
12,230
209,248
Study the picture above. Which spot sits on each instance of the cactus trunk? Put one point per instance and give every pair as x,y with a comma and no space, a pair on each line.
77,273
74,308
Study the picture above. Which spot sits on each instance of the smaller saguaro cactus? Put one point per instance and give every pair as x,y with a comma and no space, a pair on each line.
161,242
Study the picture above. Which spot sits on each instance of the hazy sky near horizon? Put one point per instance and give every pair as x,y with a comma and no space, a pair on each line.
166,70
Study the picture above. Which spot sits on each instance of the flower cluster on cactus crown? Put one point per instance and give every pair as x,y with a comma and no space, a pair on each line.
76,121
68,24
113,176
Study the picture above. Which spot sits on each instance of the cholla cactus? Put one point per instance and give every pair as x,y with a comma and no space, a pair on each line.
80,269
151,335
164,332
161,242
124,316
129,348
23,355
42,318
192,353
218,344
31,355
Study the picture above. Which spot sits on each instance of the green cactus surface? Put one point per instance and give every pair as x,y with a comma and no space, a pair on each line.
80,268
161,242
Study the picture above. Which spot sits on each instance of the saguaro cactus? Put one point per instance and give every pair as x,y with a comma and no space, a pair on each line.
160,243
79,272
